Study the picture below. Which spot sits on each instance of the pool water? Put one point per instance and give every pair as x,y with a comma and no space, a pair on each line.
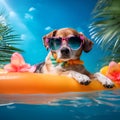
32,19
103,105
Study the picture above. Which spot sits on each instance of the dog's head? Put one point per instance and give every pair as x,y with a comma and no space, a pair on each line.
67,43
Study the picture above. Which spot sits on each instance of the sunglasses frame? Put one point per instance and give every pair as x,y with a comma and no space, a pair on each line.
81,37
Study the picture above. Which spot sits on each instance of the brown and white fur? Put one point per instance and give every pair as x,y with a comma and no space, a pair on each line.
76,71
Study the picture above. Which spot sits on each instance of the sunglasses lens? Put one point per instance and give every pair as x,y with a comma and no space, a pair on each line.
74,42
54,43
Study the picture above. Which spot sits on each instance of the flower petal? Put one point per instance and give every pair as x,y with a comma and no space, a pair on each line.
17,59
28,69
9,68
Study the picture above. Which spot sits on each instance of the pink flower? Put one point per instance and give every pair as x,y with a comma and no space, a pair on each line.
114,71
18,64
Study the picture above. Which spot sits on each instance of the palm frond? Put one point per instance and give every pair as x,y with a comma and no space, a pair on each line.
105,28
8,39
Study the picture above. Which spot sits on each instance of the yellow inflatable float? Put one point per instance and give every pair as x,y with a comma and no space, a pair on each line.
17,81
34,83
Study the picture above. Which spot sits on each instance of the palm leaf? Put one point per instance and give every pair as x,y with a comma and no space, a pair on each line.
8,39
105,28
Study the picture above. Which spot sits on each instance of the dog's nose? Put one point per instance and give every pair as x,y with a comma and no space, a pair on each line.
65,51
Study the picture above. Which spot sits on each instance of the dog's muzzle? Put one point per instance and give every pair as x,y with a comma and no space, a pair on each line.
65,52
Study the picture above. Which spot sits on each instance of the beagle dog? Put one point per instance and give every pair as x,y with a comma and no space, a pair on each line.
66,46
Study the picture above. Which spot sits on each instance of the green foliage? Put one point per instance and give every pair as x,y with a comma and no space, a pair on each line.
105,28
8,40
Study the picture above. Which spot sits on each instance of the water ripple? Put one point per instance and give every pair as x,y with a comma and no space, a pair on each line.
108,98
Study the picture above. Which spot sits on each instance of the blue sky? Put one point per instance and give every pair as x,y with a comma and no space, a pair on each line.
32,19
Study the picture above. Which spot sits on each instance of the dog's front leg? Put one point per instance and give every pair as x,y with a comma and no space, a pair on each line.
104,80
81,78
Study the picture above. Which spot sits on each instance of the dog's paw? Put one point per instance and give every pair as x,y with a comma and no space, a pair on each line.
106,82
108,85
83,79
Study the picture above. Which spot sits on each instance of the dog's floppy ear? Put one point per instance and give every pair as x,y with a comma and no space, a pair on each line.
49,35
87,44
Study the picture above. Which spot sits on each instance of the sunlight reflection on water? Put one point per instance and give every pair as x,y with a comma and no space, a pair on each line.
110,98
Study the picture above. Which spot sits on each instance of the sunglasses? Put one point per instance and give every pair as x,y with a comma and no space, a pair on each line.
74,42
